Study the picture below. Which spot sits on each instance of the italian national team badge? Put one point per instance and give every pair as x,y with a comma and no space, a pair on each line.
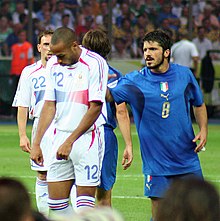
164,86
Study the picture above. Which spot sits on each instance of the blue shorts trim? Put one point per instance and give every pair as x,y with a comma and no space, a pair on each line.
156,186
109,164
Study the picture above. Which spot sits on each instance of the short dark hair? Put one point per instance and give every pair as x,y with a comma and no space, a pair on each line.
64,34
159,36
44,33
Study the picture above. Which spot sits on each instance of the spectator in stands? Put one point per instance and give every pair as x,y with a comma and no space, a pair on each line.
73,6
96,7
125,28
23,19
184,17
82,29
190,199
177,8
125,13
20,9
208,13
15,203
119,49
210,32
60,11
103,6
139,42
48,21
5,30
166,26
45,7
84,11
143,22
5,11
116,11
166,13
65,21
202,43
12,38
198,7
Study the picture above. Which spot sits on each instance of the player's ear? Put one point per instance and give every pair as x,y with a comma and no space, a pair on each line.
39,48
74,45
166,53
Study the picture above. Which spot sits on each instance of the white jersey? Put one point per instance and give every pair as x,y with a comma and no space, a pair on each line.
31,89
30,92
73,87
183,51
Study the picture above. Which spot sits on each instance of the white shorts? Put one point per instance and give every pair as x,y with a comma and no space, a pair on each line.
85,159
46,145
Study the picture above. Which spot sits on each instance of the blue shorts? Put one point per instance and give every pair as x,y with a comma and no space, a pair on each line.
109,164
156,186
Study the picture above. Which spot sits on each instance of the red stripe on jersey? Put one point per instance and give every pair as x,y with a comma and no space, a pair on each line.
93,137
36,70
79,97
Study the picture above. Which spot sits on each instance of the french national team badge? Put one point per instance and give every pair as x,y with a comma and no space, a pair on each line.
164,86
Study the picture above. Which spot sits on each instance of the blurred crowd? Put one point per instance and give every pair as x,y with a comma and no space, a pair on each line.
131,19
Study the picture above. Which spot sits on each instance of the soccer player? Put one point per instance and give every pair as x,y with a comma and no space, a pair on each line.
29,98
160,96
75,94
97,41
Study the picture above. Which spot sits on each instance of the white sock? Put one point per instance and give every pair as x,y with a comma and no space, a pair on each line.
73,197
41,190
84,202
60,208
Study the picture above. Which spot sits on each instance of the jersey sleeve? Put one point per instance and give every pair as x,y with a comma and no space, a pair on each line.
196,95
98,80
23,93
118,90
50,86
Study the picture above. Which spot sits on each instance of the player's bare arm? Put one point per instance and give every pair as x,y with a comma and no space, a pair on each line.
87,121
22,126
108,96
46,117
125,128
202,121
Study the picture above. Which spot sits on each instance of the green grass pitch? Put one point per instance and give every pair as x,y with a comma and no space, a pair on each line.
128,195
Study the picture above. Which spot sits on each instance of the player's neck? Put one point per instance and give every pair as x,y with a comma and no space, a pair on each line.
43,61
161,69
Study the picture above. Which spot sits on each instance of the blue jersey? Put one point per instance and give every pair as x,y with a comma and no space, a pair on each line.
160,104
111,111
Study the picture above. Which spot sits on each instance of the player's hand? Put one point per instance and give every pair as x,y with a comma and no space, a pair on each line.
110,76
36,155
202,137
127,157
25,144
64,151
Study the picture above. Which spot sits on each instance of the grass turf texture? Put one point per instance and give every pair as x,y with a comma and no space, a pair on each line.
128,190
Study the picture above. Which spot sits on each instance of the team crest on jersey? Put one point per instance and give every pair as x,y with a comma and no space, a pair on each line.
164,86
80,76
